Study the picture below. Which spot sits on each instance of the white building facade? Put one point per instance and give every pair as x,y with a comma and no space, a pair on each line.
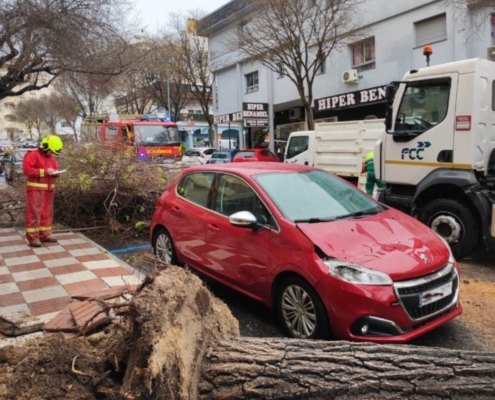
351,83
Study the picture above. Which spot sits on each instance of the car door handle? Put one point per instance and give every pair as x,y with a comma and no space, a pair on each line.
213,228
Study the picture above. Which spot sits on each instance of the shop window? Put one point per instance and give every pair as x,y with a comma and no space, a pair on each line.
363,55
431,30
252,82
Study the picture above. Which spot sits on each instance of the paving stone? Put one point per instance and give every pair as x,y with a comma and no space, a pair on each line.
19,323
88,315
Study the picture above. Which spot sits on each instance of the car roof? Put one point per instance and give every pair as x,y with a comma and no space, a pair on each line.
252,168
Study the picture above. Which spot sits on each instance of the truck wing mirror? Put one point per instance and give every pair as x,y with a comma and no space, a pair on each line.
389,92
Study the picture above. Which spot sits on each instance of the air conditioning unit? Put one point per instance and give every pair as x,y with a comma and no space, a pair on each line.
350,76
295,113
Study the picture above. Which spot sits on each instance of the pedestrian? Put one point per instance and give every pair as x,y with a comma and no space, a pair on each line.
40,167
371,180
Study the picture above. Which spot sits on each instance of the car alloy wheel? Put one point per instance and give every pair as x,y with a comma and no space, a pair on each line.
301,311
163,247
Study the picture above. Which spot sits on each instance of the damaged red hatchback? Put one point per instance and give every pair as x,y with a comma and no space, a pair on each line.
329,259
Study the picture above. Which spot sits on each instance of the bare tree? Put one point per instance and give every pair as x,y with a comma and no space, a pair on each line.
166,84
192,61
32,112
293,38
40,39
87,92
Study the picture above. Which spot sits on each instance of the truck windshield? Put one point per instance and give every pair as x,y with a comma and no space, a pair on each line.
297,144
423,105
156,135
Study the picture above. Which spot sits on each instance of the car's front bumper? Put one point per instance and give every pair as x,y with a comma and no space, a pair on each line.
375,313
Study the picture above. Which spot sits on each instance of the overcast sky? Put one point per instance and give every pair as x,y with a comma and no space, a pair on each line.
154,12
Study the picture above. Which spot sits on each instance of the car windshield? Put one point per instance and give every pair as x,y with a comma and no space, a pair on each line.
154,135
221,155
315,196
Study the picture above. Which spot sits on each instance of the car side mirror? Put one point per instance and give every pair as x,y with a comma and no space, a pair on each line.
245,219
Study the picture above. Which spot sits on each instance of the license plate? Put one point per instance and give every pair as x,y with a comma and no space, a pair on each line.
436,294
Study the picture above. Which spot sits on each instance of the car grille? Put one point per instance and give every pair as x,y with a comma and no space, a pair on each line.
409,293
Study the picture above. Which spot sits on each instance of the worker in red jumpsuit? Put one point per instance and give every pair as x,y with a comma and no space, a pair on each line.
40,167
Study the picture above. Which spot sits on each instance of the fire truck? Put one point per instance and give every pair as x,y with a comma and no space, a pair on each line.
151,137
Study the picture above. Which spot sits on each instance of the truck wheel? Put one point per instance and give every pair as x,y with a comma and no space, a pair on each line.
453,221
301,311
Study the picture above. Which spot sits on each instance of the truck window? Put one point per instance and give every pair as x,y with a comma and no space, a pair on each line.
297,144
423,106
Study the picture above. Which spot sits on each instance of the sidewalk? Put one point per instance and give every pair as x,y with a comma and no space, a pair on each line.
40,281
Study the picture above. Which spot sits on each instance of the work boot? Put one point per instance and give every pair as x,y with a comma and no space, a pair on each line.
35,243
49,239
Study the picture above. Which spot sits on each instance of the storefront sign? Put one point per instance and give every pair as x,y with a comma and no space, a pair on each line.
361,97
226,118
254,123
255,110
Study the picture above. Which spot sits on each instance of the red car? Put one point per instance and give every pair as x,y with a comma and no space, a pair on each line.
255,155
328,258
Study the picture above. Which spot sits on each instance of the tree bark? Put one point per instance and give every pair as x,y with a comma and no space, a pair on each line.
253,368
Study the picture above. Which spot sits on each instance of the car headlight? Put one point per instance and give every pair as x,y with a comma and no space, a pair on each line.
356,274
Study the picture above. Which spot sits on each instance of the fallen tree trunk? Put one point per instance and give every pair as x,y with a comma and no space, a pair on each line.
180,342
255,368
226,366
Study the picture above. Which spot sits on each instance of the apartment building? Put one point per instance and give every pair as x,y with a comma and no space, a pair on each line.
350,84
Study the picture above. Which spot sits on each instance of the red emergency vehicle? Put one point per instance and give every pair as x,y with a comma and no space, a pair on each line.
151,137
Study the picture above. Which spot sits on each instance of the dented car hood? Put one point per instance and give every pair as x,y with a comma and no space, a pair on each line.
390,242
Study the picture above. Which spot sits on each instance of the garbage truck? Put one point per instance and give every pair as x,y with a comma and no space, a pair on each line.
437,151
337,147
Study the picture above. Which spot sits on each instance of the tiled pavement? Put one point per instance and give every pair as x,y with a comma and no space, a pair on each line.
41,281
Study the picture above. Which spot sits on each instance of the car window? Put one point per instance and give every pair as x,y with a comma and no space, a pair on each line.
297,144
234,195
207,152
221,156
245,154
195,187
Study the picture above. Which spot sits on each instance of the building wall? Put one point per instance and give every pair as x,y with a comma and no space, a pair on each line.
391,23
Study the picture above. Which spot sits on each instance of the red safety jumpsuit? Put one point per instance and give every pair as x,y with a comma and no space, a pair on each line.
39,194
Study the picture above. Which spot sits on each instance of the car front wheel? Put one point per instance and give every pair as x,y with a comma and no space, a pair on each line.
163,246
301,311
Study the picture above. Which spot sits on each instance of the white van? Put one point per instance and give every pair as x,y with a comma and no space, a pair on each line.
223,144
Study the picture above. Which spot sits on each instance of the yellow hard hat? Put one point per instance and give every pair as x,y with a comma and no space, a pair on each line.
52,143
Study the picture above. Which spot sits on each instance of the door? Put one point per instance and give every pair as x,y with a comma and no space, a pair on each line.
237,256
423,133
187,216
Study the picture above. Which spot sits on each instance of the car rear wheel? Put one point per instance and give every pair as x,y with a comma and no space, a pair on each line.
301,311
163,246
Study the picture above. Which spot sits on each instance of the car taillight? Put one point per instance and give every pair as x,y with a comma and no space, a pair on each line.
202,156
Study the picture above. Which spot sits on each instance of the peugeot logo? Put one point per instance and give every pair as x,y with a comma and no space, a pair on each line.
425,258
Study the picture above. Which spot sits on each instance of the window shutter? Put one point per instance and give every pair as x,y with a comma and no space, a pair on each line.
430,31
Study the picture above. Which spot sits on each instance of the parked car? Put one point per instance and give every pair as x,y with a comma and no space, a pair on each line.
331,260
31,143
198,155
222,156
12,164
5,145
256,155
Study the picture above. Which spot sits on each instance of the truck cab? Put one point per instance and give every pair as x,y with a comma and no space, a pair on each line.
435,153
